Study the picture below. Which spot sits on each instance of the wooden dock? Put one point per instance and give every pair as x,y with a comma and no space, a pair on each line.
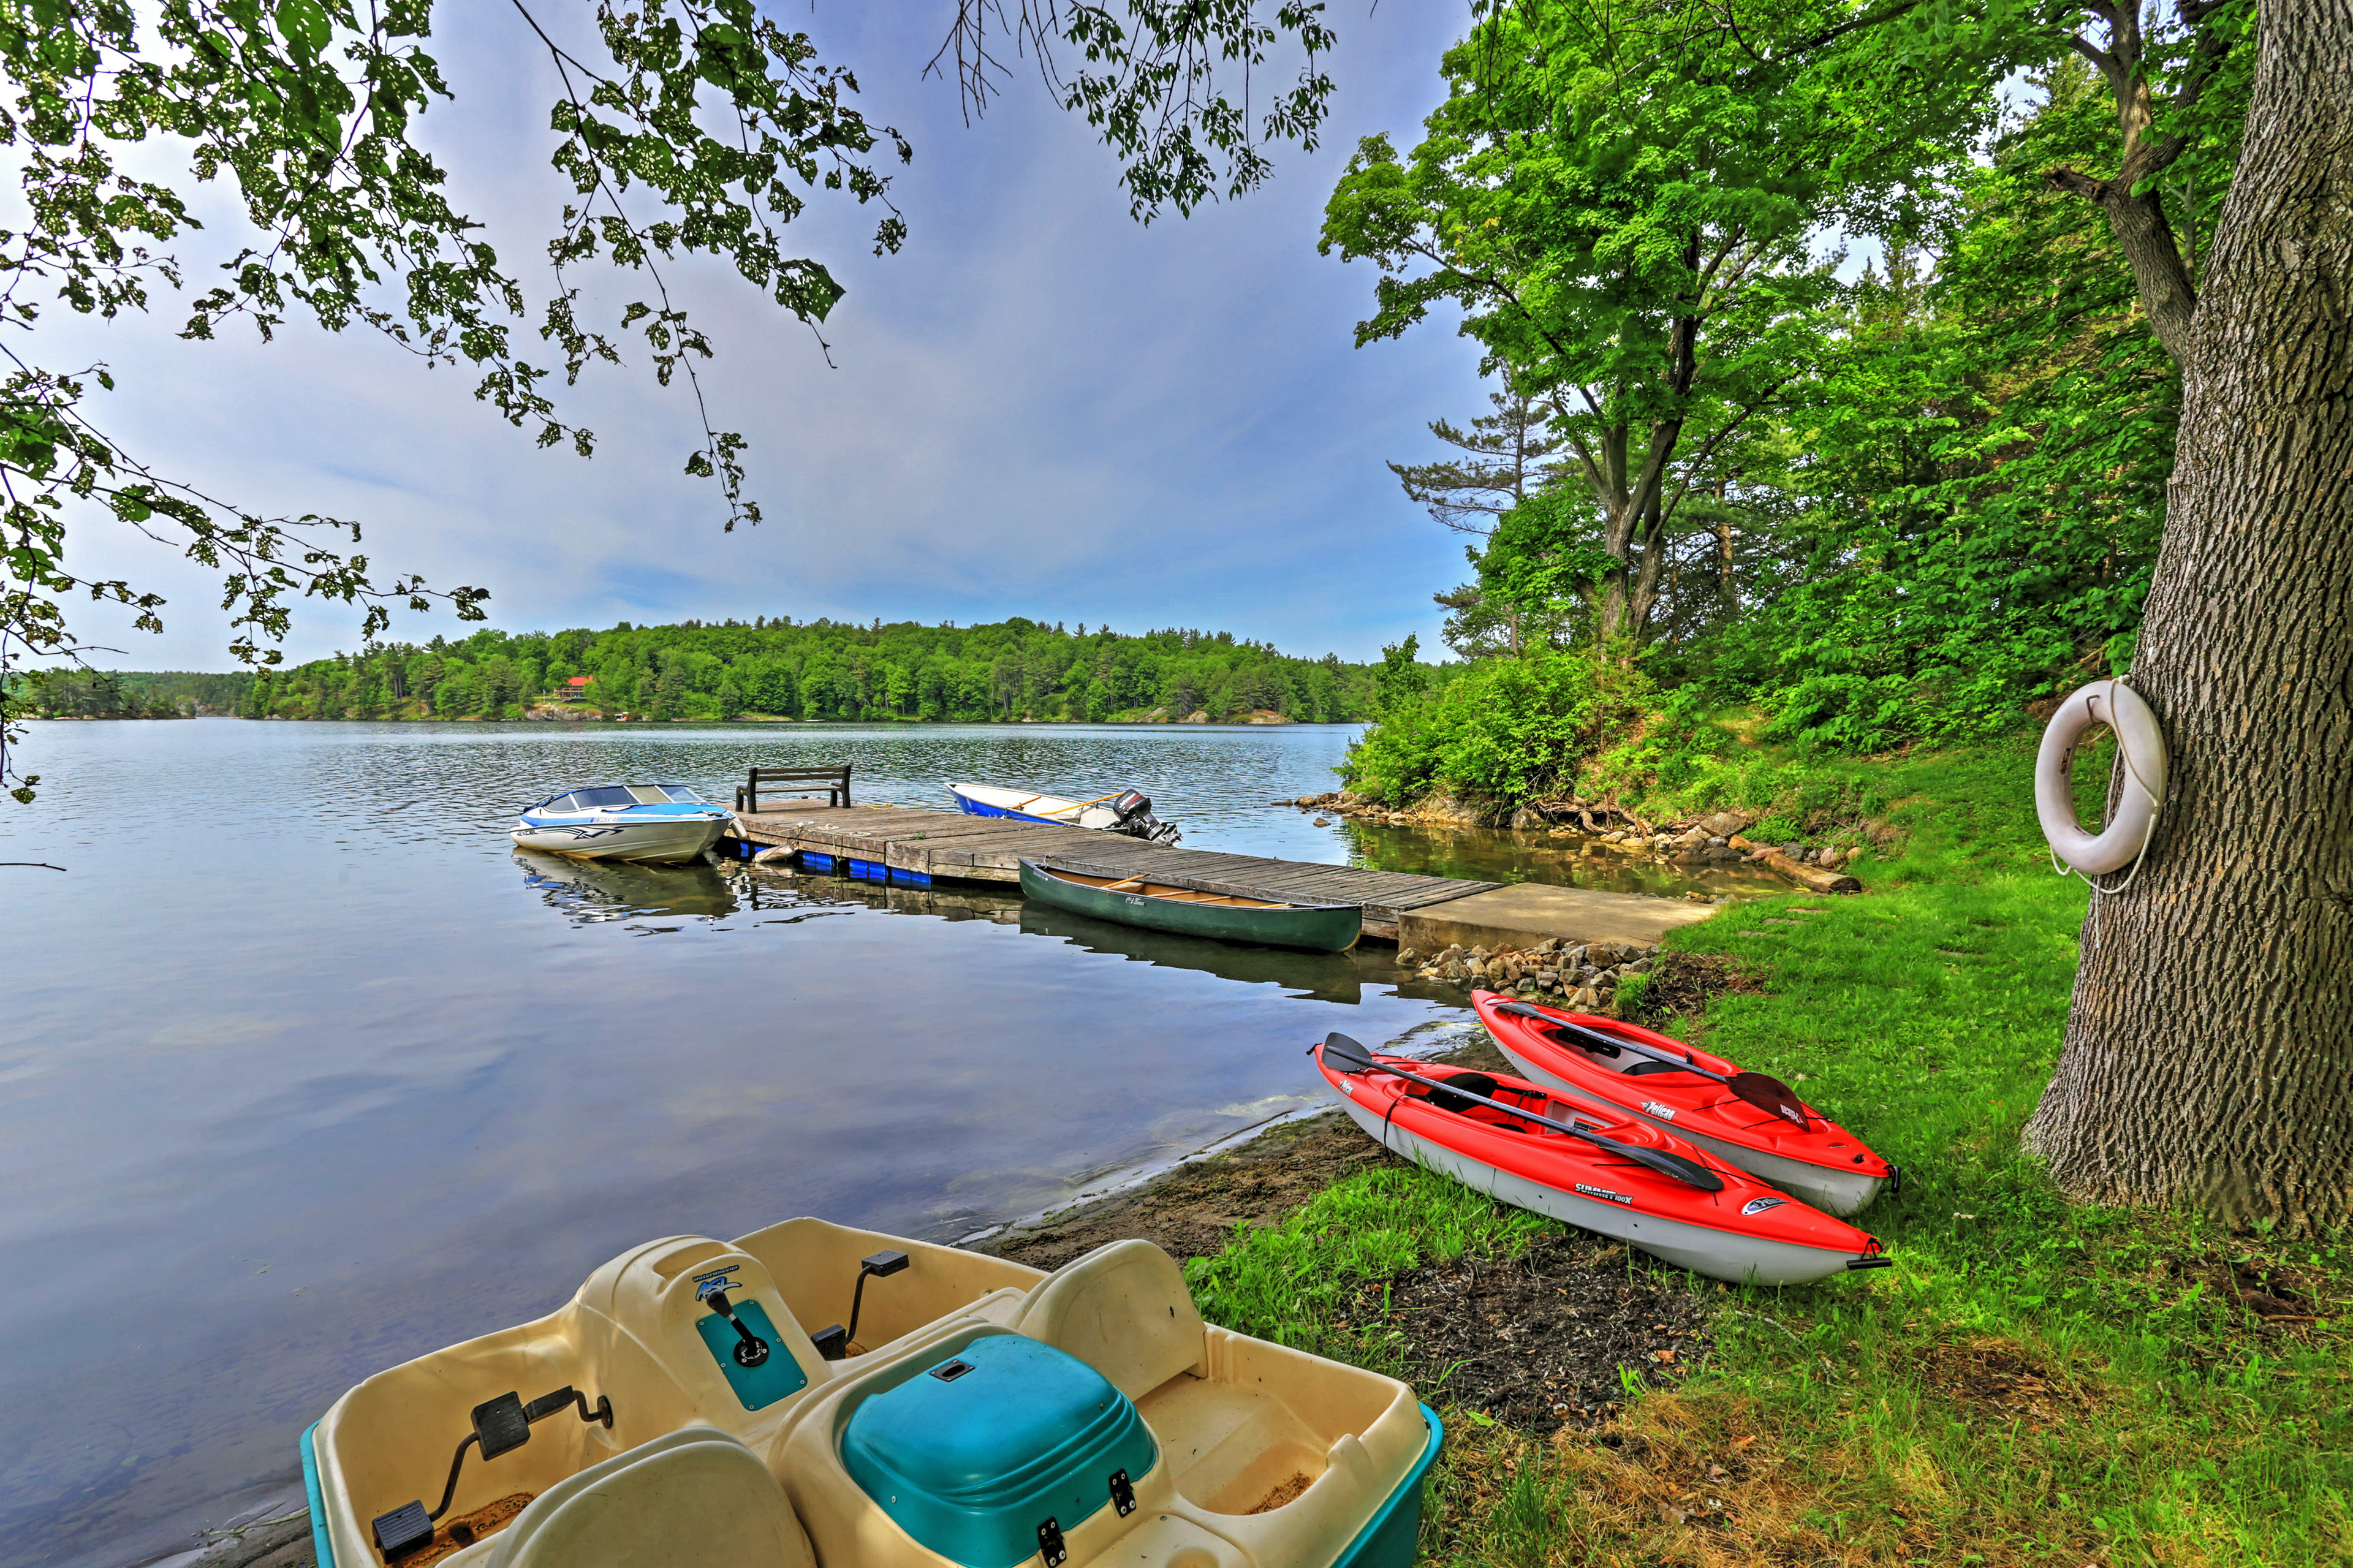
917,844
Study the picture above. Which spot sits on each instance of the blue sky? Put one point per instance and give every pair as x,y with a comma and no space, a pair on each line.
1041,407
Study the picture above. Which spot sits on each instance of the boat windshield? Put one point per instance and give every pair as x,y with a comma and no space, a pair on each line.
610,797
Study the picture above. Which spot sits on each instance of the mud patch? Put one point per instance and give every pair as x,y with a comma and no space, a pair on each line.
467,1528
1291,1490
1538,1341
2003,1379
1683,984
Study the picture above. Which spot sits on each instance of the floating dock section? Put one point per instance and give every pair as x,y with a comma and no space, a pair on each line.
911,846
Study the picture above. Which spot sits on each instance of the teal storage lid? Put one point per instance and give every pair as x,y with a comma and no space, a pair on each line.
970,1456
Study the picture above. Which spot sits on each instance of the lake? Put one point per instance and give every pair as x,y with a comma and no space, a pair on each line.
309,1072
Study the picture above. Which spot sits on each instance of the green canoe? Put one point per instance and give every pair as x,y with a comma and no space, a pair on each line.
1171,904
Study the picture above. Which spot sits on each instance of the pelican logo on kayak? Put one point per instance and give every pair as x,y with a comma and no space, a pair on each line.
1759,1206
717,1279
1663,1113
1593,1192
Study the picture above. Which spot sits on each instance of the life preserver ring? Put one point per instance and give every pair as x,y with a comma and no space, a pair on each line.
2140,741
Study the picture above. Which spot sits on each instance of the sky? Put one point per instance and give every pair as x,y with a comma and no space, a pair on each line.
1038,408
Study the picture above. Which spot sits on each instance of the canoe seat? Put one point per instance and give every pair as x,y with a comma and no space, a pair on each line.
1643,1070
1468,1083
1123,1310
696,1485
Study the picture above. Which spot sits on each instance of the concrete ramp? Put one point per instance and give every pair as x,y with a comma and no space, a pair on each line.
1526,912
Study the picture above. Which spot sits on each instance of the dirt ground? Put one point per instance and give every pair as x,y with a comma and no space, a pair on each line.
1190,1211
1536,1342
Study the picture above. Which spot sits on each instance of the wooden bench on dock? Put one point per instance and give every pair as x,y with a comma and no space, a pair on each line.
835,782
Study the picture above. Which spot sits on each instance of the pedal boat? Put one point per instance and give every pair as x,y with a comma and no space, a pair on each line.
665,823
1123,811
1188,907
1743,1231
1816,1160
972,1413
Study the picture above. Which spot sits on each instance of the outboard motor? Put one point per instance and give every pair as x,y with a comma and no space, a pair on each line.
1129,812
1135,818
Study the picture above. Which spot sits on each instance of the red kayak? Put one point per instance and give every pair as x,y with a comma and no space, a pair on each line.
1517,1142
1743,1118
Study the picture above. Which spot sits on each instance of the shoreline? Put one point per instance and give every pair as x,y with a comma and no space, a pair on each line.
1189,1206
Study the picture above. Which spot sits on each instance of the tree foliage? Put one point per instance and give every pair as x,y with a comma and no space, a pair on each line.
1622,199
824,669
1952,506
686,128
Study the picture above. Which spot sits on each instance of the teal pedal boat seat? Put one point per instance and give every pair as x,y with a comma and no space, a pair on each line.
988,1456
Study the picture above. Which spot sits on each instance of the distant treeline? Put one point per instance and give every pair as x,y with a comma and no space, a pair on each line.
823,669
128,694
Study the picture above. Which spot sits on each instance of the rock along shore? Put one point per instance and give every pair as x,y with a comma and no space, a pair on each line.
1713,839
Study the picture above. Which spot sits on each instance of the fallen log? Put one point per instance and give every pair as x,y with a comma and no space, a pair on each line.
1815,878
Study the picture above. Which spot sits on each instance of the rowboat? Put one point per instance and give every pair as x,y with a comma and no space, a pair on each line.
660,822
1124,811
706,1400
1512,1140
1192,909
1744,1118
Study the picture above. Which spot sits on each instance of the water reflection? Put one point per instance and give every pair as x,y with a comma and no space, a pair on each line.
1569,861
593,891
1322,977
586,892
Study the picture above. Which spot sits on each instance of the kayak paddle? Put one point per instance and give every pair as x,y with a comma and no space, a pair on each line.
1764,1092
1351,1057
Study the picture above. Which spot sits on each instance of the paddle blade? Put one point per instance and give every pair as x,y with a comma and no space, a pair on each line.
1769,1094
1340,1051
1681,1168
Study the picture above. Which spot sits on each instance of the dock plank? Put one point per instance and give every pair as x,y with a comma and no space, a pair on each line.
983,849
949,844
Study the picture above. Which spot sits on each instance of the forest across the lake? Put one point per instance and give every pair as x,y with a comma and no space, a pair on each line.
763,669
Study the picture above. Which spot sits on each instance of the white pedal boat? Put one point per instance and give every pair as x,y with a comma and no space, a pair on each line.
993,1416
623,822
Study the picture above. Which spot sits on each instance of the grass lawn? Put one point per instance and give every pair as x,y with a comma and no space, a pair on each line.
2033,1383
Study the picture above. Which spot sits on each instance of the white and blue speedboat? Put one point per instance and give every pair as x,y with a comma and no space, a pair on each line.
1123,811
663,822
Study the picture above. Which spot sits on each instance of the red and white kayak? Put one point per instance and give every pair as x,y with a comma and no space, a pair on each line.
1806,1155
1742,1231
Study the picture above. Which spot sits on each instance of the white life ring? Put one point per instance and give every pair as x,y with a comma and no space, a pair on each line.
2141,741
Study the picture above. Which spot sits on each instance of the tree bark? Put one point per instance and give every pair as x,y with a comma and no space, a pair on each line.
2209,1057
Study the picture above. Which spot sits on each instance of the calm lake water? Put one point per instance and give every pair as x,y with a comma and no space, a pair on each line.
307,1071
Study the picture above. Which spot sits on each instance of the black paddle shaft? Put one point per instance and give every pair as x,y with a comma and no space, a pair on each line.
1352,1056
1765,1092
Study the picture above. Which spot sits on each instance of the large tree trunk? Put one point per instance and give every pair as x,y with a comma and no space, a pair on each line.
2210,1054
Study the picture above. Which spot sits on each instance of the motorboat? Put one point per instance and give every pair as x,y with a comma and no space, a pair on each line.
664,823
1614,1175
1124,811
1188,907
816,1396
1746,1118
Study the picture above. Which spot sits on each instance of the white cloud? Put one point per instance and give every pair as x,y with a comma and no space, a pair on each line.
1042,408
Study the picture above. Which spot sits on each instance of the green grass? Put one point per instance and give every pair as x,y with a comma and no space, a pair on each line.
2034,1382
